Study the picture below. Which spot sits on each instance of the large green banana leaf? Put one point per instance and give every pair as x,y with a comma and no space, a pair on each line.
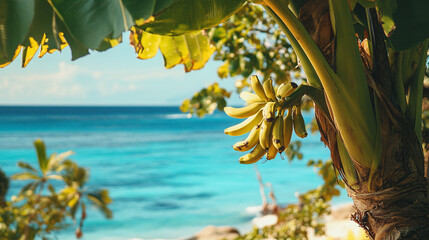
15,20
192,50
86,24
185,16
405,22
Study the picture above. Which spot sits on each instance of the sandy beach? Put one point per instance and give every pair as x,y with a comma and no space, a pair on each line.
338,227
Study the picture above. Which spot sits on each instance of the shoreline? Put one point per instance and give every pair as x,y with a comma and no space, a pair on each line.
338,226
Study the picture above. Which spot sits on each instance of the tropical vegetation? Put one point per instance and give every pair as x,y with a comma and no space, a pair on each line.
55,196
364,64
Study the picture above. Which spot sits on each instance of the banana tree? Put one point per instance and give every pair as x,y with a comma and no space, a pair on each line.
364,61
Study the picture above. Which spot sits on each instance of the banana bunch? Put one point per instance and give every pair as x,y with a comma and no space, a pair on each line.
270,131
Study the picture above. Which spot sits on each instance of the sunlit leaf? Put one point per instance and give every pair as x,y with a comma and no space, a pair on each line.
41,154
184,16
206,101
73,201
29,52
45,48
192,50
223,70
56,159
17,51
25,176
56,177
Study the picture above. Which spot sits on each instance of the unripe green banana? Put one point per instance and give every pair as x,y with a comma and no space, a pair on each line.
286,89
287,128
269,90
278,139
250,141
269,111
272,152
245,126
298,123
257,87
244,112
254,156
250,97
265,134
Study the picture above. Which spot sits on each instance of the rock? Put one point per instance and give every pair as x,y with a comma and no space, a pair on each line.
216,233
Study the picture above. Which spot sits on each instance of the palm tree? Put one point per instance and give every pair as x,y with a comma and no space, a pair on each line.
49,168
69,199
76,178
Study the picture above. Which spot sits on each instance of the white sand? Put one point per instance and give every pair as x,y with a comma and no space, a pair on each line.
339,226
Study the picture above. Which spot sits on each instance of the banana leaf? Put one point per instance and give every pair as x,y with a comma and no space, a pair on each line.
184,16
405,23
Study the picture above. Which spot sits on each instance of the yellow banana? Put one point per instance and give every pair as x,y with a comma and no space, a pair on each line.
250,97
269,111
254,156
287,128
265,134
285,90
269,90
272,152
244,112
250,141
245,126
298,123
278,139
257,87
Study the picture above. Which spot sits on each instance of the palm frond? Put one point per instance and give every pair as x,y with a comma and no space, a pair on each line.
25,176
27,166
55,161
41,154
100,199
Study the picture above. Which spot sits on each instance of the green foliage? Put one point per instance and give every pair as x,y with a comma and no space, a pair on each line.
251,41
405,22
4,186
296,219
206,101
84,24
39,210
292,151
184,16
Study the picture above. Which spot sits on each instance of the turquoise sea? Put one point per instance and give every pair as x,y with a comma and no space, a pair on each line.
168,175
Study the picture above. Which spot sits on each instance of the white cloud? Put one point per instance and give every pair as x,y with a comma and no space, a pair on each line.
70,82
58,84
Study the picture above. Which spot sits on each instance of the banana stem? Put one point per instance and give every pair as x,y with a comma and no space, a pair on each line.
312,77
396,61
416,91
357,124
315,56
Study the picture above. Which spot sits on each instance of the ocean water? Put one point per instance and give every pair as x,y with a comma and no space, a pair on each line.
168,175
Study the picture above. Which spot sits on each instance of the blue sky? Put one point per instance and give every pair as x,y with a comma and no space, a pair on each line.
114,77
